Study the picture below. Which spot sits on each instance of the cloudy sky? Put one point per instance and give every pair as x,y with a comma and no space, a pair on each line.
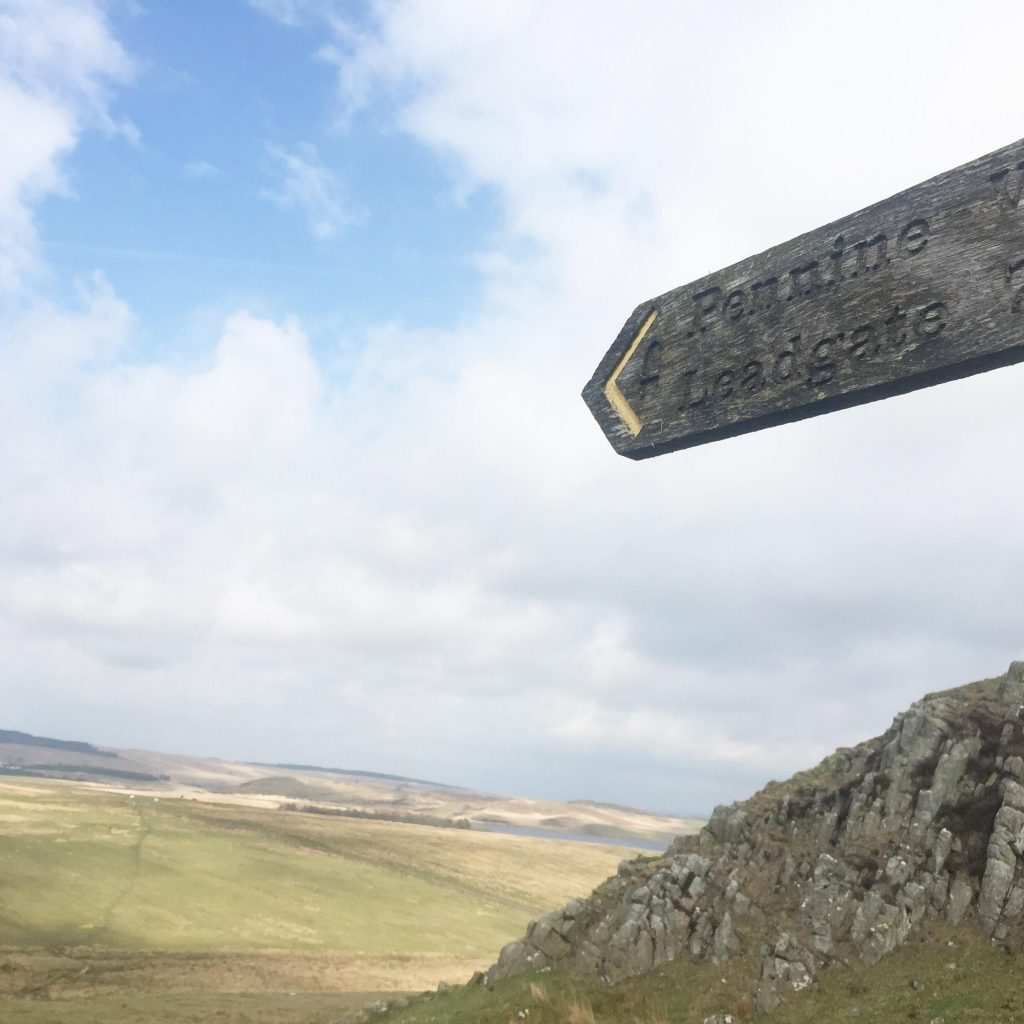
298,297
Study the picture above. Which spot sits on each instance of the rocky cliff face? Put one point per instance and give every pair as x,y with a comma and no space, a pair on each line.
843,861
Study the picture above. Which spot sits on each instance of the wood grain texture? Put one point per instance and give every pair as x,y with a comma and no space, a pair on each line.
919,289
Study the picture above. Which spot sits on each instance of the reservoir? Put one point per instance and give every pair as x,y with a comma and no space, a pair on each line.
635,843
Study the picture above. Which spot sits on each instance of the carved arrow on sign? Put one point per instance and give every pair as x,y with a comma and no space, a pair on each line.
919,289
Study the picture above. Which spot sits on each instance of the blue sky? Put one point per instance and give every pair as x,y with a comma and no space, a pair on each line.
181,219
298,298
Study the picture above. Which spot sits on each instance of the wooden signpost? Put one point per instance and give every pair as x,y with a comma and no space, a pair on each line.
919,289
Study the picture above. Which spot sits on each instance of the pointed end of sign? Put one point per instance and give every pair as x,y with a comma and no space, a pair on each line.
612,392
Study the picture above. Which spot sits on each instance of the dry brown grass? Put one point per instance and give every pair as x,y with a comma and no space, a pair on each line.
579,1011
744,1007
85,973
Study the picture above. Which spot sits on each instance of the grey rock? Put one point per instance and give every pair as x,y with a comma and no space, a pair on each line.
1003,853
961,895
847,862
943,844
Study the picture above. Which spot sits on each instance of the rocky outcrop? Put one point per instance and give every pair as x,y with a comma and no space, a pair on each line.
844,861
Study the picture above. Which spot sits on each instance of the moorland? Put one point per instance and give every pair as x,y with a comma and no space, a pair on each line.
364,793
121,905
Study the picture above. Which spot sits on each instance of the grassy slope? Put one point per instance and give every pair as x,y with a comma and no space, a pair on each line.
968,981
81,866
168,911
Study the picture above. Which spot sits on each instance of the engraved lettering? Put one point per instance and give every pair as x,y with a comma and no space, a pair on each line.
706,303
764,295
914,237
819,363
877,248
836,256
863,342
805,280
735,303
753,376
896,329
840,263
692,402
785,361
931,321
822,369
1009,185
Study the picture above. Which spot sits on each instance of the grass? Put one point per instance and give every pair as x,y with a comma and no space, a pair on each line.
954,976
191,1008
106,898
83,866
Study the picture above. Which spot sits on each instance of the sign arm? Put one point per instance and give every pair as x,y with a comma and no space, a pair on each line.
922,288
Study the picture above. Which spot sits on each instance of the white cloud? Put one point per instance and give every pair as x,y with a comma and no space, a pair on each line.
199,170
30,169
57,61
356,75
285,11
797,567
64,49
435,565
295,12
309,186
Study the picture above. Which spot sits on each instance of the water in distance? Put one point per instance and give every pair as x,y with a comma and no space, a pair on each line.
634,842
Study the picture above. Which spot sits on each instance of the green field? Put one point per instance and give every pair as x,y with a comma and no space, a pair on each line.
106,896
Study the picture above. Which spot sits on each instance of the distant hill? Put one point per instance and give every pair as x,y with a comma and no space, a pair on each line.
286,785
604,805
79,771
382,795
25,739
383,776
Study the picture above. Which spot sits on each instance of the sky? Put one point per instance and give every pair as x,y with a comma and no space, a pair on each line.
297,299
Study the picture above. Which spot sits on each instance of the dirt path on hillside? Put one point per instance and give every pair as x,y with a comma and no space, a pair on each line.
106,921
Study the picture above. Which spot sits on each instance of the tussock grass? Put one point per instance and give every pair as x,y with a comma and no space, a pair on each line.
579,1011
538,993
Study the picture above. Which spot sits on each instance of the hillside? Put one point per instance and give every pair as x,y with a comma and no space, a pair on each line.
955,977
896,840
369,793
88,867
24,739
111,899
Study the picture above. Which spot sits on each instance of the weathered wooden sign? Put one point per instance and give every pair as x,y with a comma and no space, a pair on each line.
919,289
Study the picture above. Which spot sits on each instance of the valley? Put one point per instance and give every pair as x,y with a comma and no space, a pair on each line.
122,904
